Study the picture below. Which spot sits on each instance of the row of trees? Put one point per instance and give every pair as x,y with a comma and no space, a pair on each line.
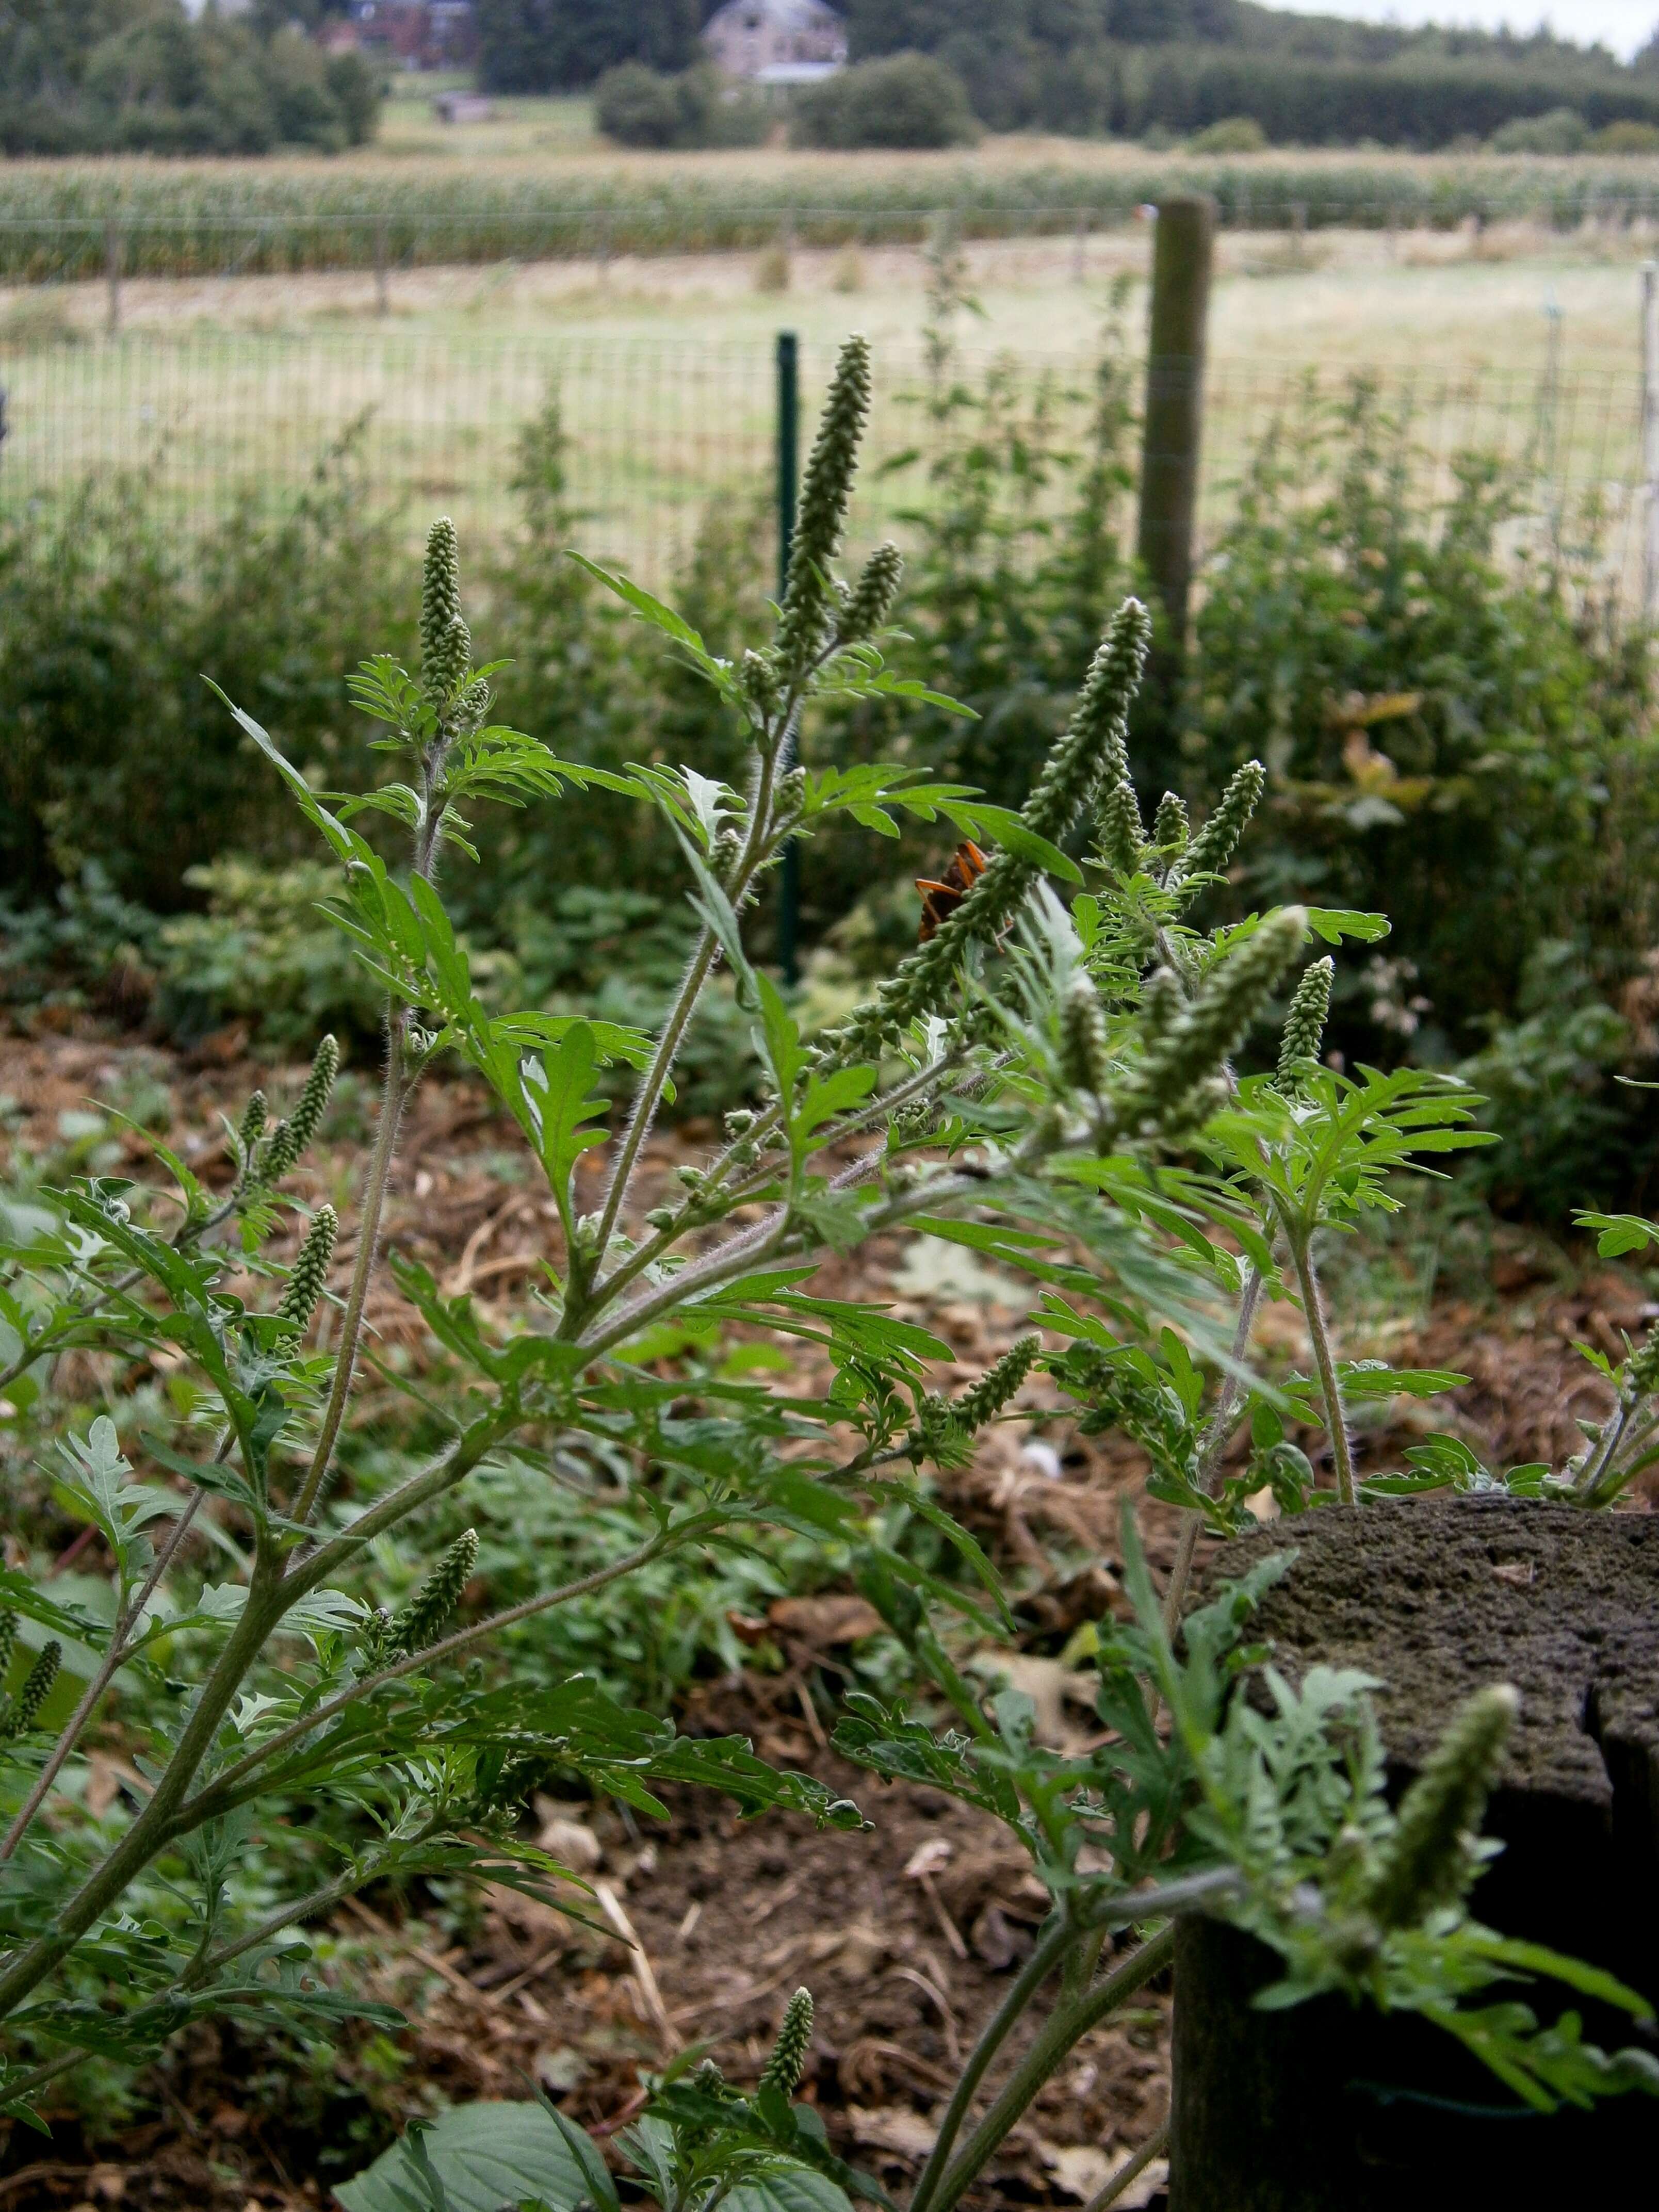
139,75
546,45
1126,66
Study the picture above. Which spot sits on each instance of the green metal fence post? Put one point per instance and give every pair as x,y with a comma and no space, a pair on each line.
788,460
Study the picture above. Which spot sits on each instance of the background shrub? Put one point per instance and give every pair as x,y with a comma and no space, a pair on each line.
1626,138
138,76
912,101
1234,133
1464,747
637,107
1561,131
111,745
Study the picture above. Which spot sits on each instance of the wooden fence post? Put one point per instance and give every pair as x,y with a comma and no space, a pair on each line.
1183,252
382,285
113,261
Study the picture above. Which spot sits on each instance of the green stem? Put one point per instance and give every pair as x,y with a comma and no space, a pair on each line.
226,1789
266,1603
1300,1242
393,1100
1051,1948
1065,2027
649,1095
120,1645
1131,2169
1209,1457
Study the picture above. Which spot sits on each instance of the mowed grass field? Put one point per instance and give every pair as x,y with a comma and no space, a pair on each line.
1515,339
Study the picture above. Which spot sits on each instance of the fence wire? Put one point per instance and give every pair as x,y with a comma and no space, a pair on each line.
660,433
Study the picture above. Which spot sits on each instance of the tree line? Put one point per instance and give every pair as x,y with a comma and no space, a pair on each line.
80,76
1127,67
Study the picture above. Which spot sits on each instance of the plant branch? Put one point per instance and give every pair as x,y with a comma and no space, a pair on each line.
224,1792
30,1966
1065,2027
398,1085
649,1095
1154,2146
1300,1242
121,1645
1051,1949
1215,1443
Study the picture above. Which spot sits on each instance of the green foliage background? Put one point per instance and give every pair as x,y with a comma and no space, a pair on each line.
1501,809
80,76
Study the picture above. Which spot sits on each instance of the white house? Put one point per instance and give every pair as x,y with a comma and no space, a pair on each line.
777,41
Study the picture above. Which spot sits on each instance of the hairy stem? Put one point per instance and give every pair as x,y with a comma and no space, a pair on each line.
649,1095
1209,1457
394,1099
1300,1242
121,1645
1065,2027
148,1832
228,1790
1051,1949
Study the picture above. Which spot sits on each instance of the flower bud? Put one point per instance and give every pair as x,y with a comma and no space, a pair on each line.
309,1278
871,600
1170,828
18,1714
423,1619
446,646
1304,1026
1429,1861
825,495
1214,845
784,2069
290,1139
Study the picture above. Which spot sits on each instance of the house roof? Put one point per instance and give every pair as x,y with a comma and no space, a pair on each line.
779,15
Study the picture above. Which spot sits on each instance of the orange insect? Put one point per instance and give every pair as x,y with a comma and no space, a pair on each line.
940,900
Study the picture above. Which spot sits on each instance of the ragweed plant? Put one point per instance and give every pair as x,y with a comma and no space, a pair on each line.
1051,1085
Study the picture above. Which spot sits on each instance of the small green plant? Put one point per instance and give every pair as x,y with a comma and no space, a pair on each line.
1050,1086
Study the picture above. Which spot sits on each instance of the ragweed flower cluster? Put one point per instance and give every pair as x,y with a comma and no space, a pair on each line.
446,640
1432,1857
1304,1026
310,1277
804,616
1090,756
1178,1081
865,606
787,2062
20,1708
289,1139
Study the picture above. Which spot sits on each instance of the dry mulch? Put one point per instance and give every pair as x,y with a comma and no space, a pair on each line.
906,1932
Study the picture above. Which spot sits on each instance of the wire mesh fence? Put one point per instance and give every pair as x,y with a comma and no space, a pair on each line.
660,431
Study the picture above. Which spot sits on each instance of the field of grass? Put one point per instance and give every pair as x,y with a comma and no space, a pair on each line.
664,364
